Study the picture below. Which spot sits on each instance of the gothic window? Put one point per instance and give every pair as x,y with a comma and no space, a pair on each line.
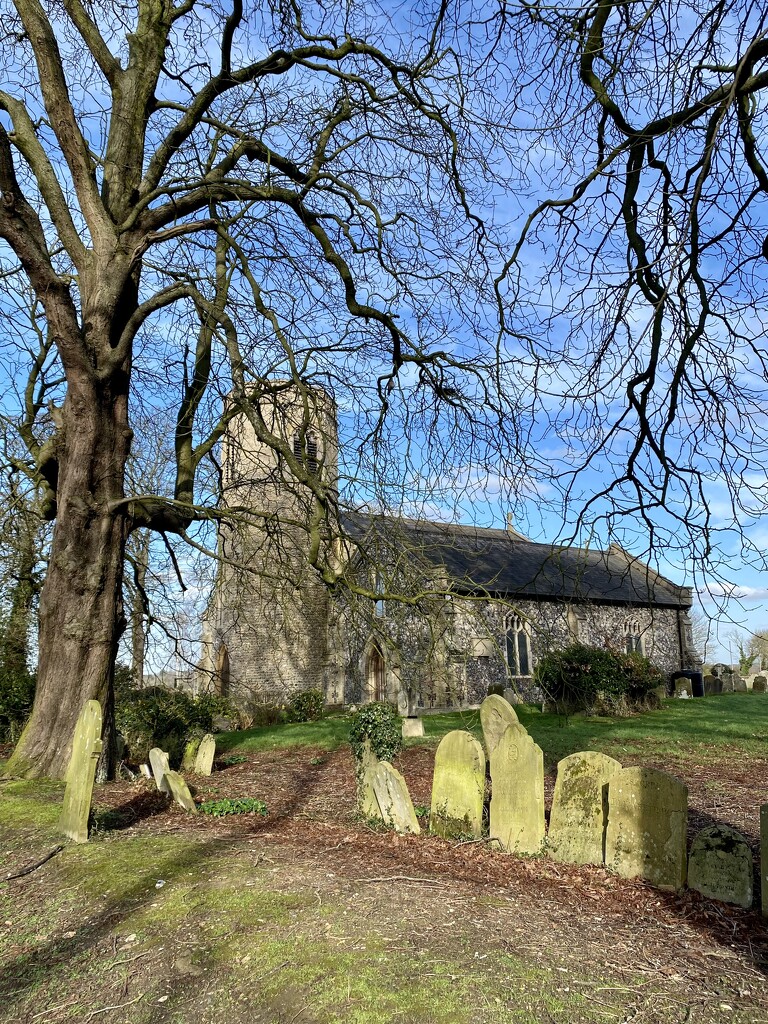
518,647
633,640
306,450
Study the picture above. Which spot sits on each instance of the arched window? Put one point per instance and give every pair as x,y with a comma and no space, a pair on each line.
306,449
633,637
518,647
376,671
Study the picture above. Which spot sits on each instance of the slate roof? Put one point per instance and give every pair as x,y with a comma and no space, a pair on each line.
502,563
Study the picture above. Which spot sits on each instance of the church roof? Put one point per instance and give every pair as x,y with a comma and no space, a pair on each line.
503,563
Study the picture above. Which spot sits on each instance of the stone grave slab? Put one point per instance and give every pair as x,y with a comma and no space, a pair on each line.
496,714
458,786
367,804
81,772
179,790
412,726
158,759
579,814
205,755
394,800
647,822
517,795
720,866
190,753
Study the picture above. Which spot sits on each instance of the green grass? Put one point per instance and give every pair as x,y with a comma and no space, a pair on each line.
327,733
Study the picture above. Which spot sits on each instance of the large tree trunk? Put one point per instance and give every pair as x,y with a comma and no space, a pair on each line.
81,616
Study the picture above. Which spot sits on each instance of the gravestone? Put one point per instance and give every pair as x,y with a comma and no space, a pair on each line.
205,755
759,684
512,696
728,684
764,859
682,686
458,786
517,794
496,714
394,800
367,804
647,820
179,790
412,726
720,866
738,684
712,685
146,771
81,772
579,812
190,753
160,766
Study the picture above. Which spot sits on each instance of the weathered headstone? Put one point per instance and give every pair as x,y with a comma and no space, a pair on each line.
739,684
394,800
496,714
682,686
81,772
412,726
517,794
205,755
179,790
579,814
712,685
647,821
759,684
365,769
160,767
720,866
511,696
458,786
728,684
146,771
190,753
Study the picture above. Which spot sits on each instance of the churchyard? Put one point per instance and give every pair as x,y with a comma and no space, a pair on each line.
313,913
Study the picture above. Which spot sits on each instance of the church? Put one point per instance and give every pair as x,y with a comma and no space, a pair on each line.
313,595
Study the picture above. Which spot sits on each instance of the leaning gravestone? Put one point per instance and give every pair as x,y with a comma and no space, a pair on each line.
647,820
393,799
81,772
495,715
579,812
205,755
517,796
458,786
190,753
720,866
160,767
179,790
365,769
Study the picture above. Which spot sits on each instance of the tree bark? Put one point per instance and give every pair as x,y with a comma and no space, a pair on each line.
81,616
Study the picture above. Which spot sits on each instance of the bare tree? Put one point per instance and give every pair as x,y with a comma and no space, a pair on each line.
207,203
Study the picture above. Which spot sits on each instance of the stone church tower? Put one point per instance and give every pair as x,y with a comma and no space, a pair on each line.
267,629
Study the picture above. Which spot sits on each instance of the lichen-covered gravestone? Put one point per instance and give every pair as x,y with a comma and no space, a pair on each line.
365,769
759,684
190,754
579,812
393,799
160,767
496,714
647,822
205,755
517,796
458,786
720,866
81,772
179,790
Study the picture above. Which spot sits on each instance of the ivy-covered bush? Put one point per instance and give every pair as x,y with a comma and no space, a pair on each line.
157,717
380,723
587,678
306,706
17,692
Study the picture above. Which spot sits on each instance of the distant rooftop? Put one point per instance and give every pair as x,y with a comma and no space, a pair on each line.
504,563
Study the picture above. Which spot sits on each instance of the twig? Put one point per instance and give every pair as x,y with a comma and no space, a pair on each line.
402,878
53,1009
129,959
34,867
105,1009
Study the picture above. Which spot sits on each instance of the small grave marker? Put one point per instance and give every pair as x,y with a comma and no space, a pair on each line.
458,786
720,866
81,772
179,790
517,796
393,799
205,755
160,767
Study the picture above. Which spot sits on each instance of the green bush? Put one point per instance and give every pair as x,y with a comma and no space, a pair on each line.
380,723
306,706
17,693
156,717
597,679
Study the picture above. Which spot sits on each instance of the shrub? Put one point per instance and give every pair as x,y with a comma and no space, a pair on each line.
306,706
17,693
380,723
597,679
156,717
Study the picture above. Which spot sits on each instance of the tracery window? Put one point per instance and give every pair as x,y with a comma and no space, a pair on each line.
633,637
518,647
